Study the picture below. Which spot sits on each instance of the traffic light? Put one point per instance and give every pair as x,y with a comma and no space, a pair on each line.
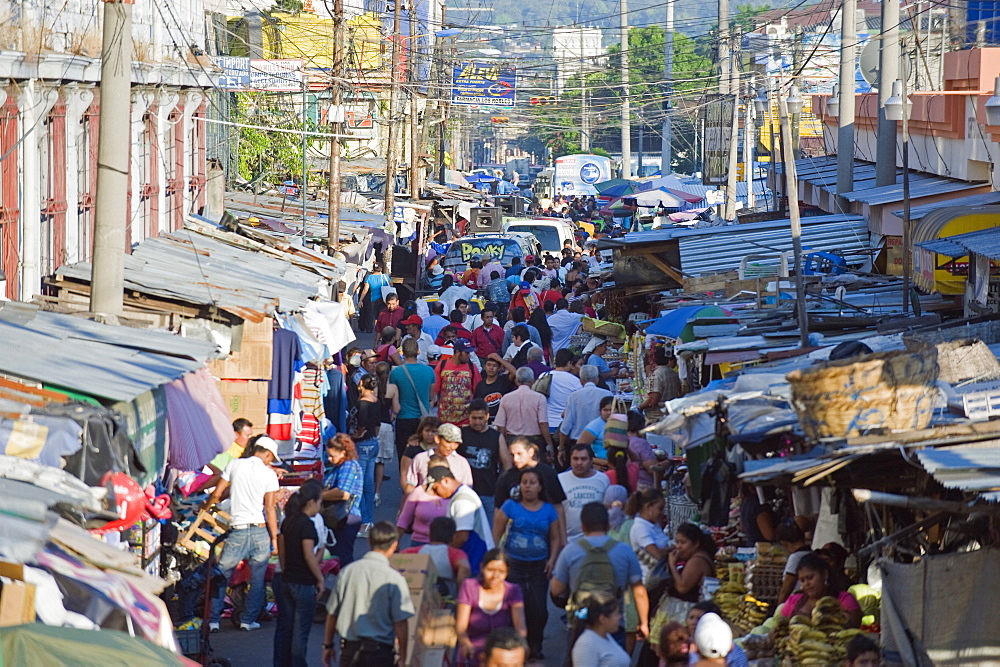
500,120
548,99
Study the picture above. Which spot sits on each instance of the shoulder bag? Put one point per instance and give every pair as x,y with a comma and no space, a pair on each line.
424,411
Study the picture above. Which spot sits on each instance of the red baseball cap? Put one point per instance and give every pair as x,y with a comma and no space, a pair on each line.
413,319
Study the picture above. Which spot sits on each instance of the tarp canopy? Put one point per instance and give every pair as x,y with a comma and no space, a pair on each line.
677,323
37,644
617,187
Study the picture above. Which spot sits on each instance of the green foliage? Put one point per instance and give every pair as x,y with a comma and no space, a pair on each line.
745,15
273,156
290,6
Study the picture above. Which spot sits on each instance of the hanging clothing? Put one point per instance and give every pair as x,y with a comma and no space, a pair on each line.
198,420
286,362
335,401
328,321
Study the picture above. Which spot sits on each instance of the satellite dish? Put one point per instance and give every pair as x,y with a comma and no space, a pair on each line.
869,66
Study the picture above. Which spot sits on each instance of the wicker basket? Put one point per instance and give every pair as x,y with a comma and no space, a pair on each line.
602,328
892,390
959,359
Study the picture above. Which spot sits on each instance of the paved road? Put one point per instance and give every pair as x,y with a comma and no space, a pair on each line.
254,649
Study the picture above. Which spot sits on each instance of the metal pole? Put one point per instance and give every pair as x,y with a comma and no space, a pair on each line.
390,153
734,139
796,118
305,148
412,71
749,144
845,118
626,103
724,68
584,121
792,184
888,62
907,261
111,207
668,90
336,127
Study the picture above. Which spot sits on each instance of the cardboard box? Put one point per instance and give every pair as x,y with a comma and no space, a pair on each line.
246,398
417,569
258,332
252,362
17,599
429,656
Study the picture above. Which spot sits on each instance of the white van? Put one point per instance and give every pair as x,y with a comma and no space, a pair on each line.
550,232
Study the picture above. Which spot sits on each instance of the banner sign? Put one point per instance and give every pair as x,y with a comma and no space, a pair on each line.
483,84
282,75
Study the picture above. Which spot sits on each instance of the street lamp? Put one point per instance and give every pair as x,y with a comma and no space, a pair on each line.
993,105
833,104
794,101
897,107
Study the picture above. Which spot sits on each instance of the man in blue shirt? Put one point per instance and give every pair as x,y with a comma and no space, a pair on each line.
437,321
582,407
414,381
597,348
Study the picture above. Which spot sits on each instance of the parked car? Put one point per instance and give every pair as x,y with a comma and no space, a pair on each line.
550,232
504,246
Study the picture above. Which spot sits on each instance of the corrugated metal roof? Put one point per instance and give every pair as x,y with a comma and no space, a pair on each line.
722,248
981,199
193,268
90,358
966,467
921,185
982,242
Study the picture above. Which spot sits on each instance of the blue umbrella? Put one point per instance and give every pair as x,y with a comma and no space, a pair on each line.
675,324
481,178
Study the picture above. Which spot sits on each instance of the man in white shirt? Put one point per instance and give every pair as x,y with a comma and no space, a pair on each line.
472,529
413,325
253,489
581,484
563,383
563,324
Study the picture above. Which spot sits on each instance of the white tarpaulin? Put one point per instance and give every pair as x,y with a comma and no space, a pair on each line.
943,610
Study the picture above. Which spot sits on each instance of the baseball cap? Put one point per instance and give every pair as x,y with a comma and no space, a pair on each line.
462,345
525,284
713,636
529,258
450,432
369,353
437,270
413,319
437,473
270,445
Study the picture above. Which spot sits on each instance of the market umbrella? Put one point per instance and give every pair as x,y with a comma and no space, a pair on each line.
38,644
677,323
656,198
616,187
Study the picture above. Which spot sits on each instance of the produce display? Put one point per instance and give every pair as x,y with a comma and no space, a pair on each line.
819,639
741,610
765,572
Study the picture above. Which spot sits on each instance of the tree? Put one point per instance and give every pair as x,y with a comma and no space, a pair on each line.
261,154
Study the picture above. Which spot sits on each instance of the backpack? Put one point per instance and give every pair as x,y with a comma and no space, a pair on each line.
597,574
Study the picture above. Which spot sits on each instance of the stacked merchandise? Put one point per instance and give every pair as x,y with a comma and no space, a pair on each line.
819,639
741,610
765,571
431,631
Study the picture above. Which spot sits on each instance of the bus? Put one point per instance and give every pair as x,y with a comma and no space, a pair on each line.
578,174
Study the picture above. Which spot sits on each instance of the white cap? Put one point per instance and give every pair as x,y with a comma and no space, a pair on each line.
594,342
270,445
713,636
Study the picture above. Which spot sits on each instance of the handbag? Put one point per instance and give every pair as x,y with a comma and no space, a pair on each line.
335,514
616,428
543,385
424,412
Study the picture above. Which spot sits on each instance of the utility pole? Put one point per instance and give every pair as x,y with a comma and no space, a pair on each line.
734,138
796,118
584,102
668,91
888,64
442,105
792,185
411,61
305,148
907,235
107,281
336,128
724,66
749,143
845,116
390,155
626,103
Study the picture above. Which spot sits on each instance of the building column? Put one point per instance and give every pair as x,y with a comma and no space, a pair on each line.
192,102
36,101
166,102
78,98
137,229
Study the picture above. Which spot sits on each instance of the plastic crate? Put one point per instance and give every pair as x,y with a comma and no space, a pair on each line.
189,641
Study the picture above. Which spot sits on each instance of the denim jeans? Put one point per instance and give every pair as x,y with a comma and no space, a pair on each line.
296,606
252,544
531,577
343,550
368,457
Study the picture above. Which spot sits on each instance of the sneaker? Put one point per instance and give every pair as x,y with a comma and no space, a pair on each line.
249,627
365,529
213,627
378,499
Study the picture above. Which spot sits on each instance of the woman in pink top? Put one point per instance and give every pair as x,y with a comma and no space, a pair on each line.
814,584
418,511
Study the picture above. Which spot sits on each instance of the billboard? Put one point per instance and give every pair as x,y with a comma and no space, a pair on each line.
240,73
578,174
483,84
718,117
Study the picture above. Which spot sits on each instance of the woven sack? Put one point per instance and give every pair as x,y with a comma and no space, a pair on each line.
616,428
891,390
959,360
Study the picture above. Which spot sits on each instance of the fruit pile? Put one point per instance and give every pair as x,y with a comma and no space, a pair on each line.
741,610
819,639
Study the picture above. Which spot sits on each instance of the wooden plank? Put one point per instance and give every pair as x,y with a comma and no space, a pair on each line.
663,266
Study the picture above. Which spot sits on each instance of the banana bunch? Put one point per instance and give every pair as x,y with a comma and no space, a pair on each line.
807,645
729,597
752,612
828,616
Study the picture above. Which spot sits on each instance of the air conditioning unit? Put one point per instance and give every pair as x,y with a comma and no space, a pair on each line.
486,220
